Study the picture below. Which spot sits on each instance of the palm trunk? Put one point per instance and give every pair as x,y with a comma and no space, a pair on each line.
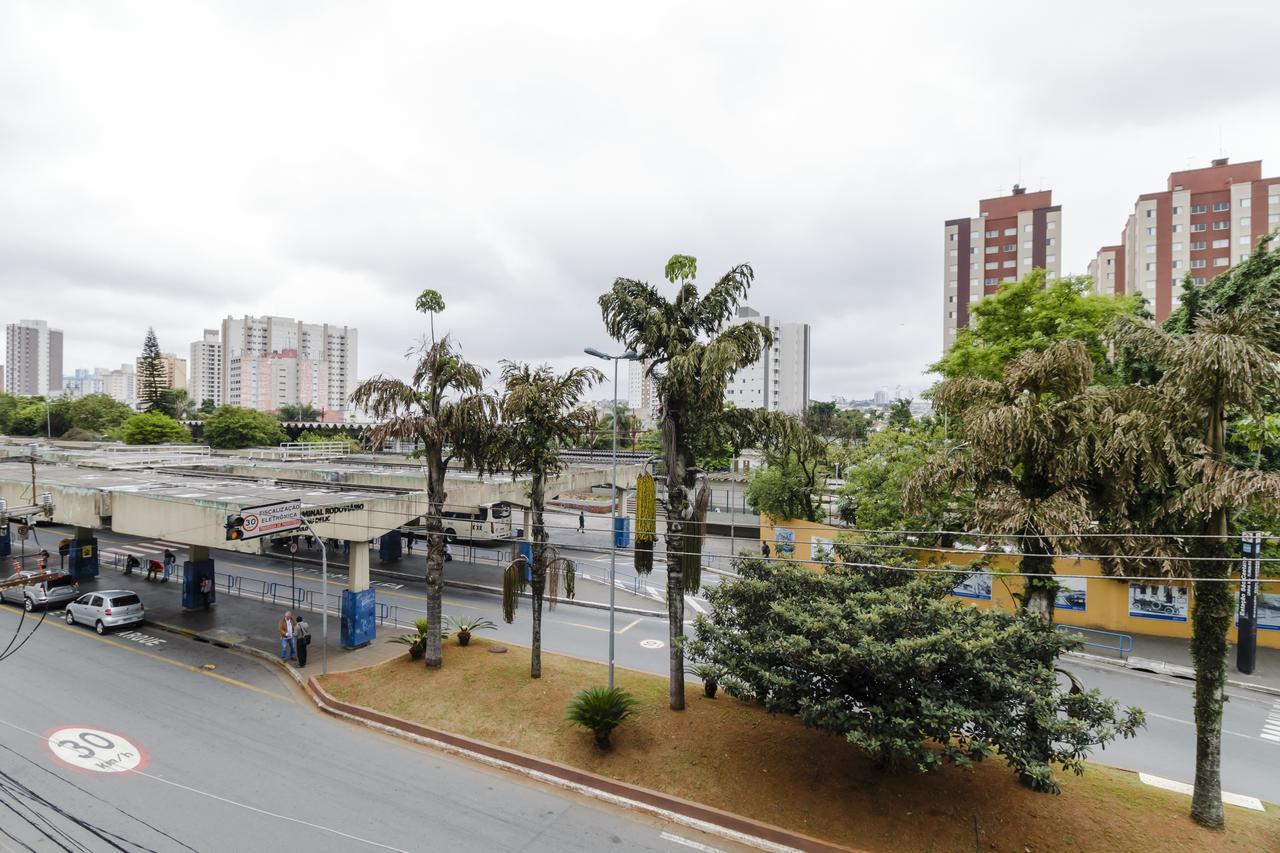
679,510
539,569
434,655
1039,593
1210,619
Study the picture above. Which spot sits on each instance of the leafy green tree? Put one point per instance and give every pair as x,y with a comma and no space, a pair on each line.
886,661
8,406
234,427
1031,314
780,491
431,303
150,378
851,426
30,417
153,428
795,460
1226,361
693,355
312,436
900,414
444,408
541,415
876,476
1024,451
175,403
820,418
97,413
207,406
304,412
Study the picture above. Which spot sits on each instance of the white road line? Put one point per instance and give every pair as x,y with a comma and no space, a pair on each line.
688,842
1192,725
693,602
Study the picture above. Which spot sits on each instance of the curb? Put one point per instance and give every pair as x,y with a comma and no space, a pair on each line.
687,813
1160,667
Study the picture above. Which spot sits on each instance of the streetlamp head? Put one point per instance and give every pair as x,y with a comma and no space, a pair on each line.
595,352
630,355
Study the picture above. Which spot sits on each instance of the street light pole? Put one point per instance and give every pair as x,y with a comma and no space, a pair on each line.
613,496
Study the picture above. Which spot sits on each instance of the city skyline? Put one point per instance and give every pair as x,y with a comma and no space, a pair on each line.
130,199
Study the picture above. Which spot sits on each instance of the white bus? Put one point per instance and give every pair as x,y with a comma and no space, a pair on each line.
490,522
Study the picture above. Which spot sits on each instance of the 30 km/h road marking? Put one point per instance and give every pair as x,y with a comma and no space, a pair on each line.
85,748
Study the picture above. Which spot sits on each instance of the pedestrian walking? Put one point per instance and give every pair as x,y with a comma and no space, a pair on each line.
582,521
206,589
409,543
764,549
302,639
169,562
286,628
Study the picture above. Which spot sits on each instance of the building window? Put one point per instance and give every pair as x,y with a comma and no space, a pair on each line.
952,283
1177,265
1199,226
1052,224
1011,247
1199,280
1245,221
1151,213
1151,265
1151,231
1049,241
1197,208
1051,258
1221,262
1026,229
954,253
1177,229
971,250
952,236
992,281
1244,256
1219,206
951,315
1009,232
993,233
1151,249
1010,278
1177,209
1010,264
1246,202
991,250
1026,244
1222,225
1026,262
952,299
1220,244
1197,244
1197,263
1273,219
992,265
953,268
1177,247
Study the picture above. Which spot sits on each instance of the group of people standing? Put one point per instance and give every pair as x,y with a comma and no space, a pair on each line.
295,637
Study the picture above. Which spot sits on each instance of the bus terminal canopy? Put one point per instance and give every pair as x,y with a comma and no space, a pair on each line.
193,509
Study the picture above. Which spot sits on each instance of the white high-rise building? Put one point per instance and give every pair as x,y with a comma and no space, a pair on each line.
205,375
247,338
779,380
119,384
642,393
33,359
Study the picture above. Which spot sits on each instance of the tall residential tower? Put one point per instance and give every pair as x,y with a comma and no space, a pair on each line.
33,359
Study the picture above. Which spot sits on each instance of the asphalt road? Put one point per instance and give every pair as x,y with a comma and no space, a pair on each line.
238,760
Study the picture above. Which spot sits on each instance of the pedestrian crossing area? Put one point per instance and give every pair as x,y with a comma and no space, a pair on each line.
150,550
1271,728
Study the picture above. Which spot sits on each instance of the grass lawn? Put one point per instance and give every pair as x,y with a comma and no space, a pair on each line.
736,757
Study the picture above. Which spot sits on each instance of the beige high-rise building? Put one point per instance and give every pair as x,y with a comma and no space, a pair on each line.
1011,236
173,372
259,337
1205,221
1107,269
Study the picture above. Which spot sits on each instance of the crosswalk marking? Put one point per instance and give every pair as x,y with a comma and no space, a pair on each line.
1271,728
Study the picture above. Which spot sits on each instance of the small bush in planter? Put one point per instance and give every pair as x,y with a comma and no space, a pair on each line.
417,643
464,627
601,709
710,676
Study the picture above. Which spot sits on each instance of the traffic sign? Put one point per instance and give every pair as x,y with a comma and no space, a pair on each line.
254,521
86,748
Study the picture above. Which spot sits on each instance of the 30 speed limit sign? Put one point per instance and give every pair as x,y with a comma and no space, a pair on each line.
99,751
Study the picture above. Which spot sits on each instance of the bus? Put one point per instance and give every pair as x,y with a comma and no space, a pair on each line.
490,522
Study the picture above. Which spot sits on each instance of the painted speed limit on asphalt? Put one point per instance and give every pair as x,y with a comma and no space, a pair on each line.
96,750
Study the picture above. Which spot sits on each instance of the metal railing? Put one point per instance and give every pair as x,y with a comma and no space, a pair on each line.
1121,644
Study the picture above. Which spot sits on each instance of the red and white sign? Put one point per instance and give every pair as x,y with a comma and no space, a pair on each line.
95,750
271,518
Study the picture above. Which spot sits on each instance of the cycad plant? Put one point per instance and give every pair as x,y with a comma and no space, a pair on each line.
601,709
417,642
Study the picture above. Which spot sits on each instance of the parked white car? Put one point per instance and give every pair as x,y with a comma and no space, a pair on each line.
48,593
107,609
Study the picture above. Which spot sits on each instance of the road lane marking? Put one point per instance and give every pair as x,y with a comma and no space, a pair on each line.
693,602
283,574
629,627
189,667
579,625
1192,725
688,842
1271,728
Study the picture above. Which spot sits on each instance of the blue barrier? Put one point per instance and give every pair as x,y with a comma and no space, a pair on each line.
1121,644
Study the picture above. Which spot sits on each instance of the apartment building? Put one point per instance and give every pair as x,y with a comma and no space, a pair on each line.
642,393
33,359
248,337
779,380
206,369
1202,223
173,370
1107,269
119,384
1011,236
285,378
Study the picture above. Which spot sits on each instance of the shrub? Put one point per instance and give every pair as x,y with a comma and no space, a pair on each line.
601,709
710,676
464,627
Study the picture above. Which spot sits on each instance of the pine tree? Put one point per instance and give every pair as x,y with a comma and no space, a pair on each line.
151,374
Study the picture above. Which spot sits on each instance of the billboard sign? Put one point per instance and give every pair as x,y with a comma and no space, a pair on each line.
266,520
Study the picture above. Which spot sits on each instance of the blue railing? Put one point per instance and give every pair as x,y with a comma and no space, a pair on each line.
1121,644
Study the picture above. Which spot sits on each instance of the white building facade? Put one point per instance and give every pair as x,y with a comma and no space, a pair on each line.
779,380
33,359
245,339
205,369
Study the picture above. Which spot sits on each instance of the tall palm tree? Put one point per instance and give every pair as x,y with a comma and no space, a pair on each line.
1023,450
444,408
692,355
1226,361
540,415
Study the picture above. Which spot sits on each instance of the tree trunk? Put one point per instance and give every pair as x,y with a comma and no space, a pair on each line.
434,655
679,511
539,569
1210,619
1039,593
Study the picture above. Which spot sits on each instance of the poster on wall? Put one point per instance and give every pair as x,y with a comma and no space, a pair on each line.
976,585
784,542
1268,611
822,551
1072,594
1158,601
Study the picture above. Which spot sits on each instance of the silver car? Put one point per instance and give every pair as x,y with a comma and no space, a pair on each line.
110,608
57,590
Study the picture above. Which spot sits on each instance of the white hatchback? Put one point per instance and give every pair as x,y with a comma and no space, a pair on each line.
110,608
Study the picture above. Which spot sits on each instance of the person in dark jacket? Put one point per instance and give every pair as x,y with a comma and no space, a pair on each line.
301,639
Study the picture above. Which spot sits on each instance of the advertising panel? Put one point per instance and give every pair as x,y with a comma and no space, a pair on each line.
1158,601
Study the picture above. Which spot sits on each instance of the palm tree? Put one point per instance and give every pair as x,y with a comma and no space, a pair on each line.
540,415
1024,451
1226,361
692,355
444,408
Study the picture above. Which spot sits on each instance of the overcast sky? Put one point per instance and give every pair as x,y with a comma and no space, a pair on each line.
167,164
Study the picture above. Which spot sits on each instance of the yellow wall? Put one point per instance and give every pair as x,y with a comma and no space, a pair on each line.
1107,600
